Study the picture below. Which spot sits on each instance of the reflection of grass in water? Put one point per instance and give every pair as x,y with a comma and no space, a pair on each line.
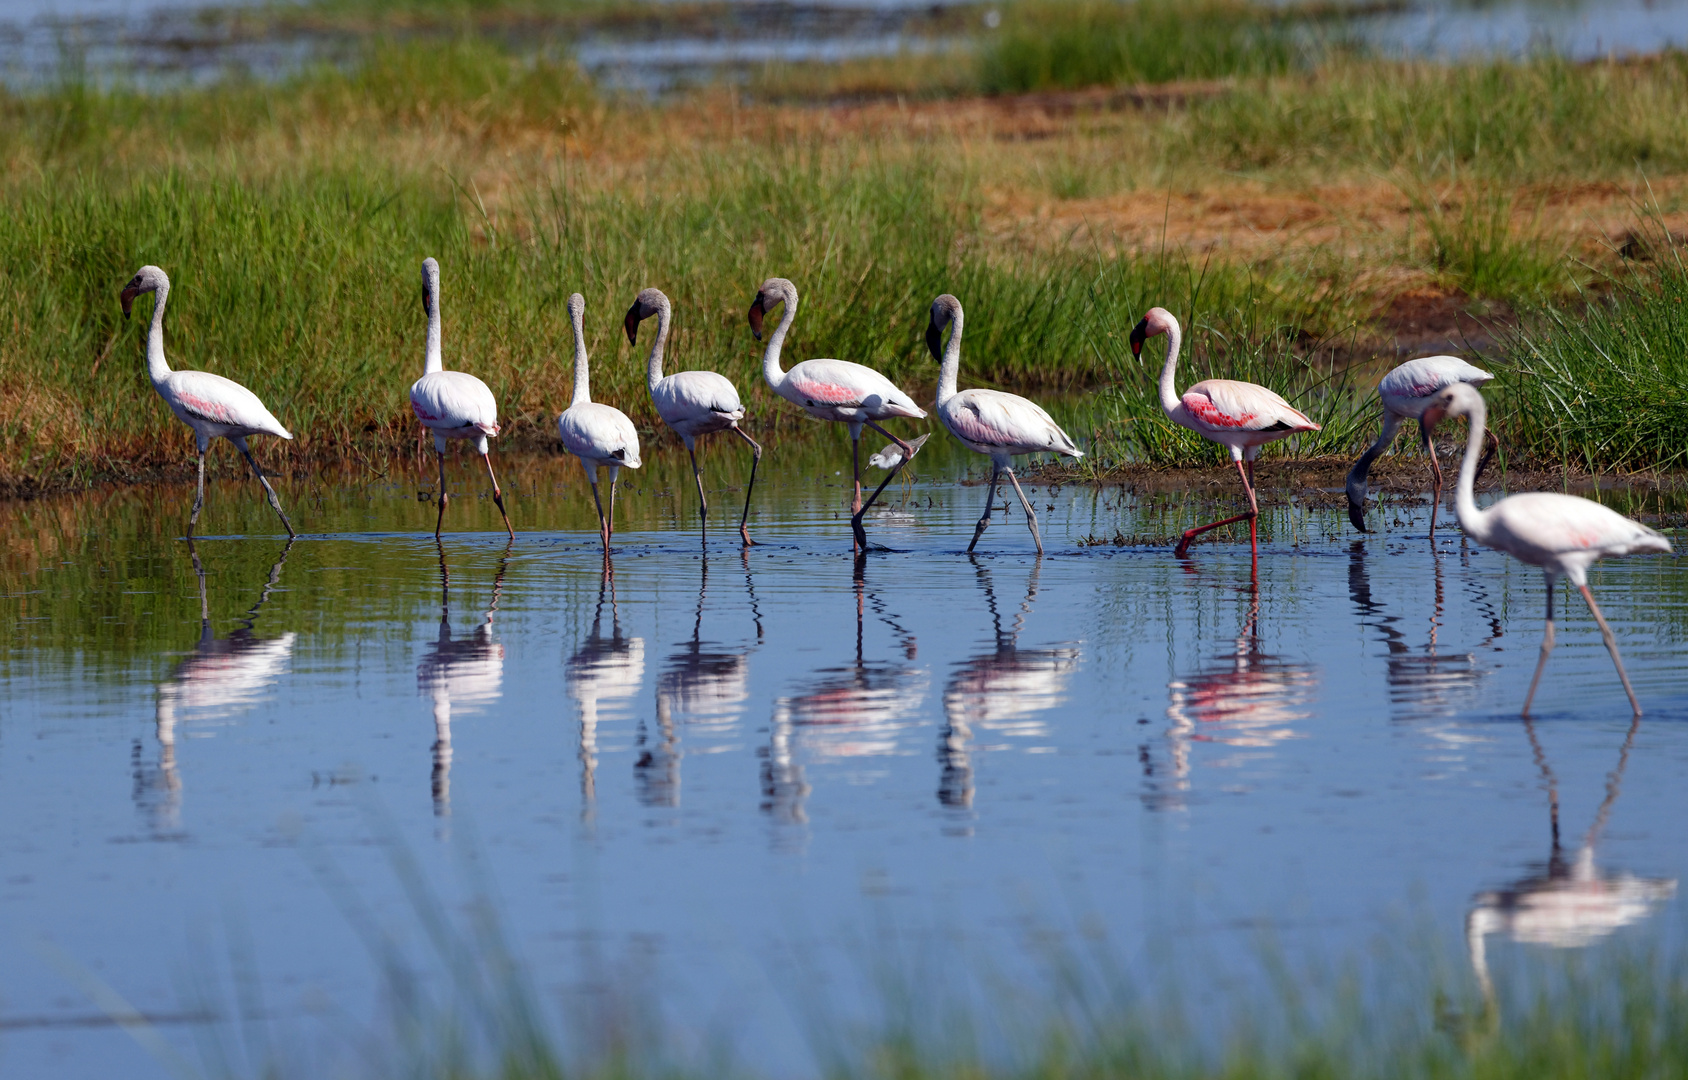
1066,1006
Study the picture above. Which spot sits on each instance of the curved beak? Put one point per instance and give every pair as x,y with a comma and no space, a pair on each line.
128,297
1139,334
934,339
1357,515
756,313
631,324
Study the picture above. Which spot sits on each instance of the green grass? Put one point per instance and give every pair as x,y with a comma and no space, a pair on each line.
1065,44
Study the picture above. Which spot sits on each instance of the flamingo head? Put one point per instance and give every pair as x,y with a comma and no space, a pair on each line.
1460,399
774,292
649,302
1157,321
577,309
147,279
430,287
945,310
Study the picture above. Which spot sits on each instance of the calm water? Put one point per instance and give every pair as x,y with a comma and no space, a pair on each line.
716,781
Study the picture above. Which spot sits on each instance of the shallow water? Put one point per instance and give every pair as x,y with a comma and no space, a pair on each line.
717,781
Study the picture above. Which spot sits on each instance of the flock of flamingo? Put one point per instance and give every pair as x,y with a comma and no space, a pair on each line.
1562,534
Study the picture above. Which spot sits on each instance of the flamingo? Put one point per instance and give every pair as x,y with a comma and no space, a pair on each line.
1562,534
990,422
1406,392
1240,415
210,404
835,390
600,435
453,404
692,403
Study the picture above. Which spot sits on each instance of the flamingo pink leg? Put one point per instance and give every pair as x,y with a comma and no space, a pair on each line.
702,501
498,496
603,528
1546,650
1611,646
1031,515
1436,470
1251,517
756,459
610,525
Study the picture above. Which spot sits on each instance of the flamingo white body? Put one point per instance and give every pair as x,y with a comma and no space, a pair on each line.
452,404
601,436
999,425
1562,534
1241,415
1406,392
692,403
833,390
214,407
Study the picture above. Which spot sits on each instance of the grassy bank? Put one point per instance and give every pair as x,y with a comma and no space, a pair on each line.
1288,212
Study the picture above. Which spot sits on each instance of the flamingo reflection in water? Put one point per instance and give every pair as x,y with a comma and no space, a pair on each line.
1002,691
1423,683
853,711
1246,699
604,671
1564,903
220,679
466,673
704,686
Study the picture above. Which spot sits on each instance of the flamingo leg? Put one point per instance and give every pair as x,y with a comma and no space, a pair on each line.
275,503
1031,515
1250,516
198,495
603,529
907,448
756,459
1546,649
610,525
1436,471
856,455
498,496
1611,646
990,502
439,522
1254,512
702,500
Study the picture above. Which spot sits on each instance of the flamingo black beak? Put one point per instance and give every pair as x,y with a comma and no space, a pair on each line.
756,312
1357,515
1139,334
631,324
130,291
934,339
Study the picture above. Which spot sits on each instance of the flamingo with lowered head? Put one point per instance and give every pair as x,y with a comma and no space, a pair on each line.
601,436
213,406
1562,534
835,390
1406,392
1241,415
693,403
452,404
990,422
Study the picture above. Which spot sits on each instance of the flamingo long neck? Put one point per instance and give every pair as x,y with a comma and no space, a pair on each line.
157,368
1169,392
771,369
582,378
653,369
949,369
434,361
1472,520
1356,482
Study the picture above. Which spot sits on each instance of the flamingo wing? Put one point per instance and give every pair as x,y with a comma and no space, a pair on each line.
1566,524
1007,421
454,399
599,432
200,395
1230,405
842,384
690,395
1426,375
